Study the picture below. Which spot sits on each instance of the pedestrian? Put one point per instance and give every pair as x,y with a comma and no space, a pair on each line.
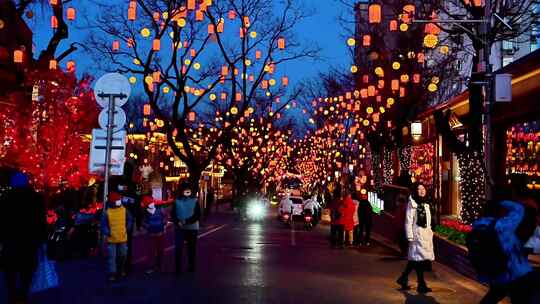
185,215
132,205
365,217
23,230
209,202
420,237
356,231
115,224
501,261
154,223
336,224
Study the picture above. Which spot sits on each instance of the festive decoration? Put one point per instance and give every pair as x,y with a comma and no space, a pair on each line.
50,146
422,159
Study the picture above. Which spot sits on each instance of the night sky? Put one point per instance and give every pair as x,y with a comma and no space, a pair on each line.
322,28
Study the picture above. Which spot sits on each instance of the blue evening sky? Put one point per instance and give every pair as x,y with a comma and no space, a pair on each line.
322,28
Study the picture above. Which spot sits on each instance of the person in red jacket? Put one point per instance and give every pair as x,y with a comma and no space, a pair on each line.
348,210
336,225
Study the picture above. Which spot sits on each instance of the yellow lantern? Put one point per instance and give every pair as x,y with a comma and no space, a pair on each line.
145,32
430,40
354,69
403,27
351,42
396,65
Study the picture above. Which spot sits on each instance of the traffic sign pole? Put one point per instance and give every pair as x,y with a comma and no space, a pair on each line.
110,125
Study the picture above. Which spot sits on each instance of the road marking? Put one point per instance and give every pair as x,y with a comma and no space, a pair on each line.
200,235
212,231
293,235
167,249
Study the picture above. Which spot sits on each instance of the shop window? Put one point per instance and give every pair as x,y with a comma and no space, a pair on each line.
422,159
523,152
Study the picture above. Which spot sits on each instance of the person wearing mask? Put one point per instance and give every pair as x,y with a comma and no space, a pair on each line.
23,230
115,224
365,217
185,214
420,237
336,224
154,223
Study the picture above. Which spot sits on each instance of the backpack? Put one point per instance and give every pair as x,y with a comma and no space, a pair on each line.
485,251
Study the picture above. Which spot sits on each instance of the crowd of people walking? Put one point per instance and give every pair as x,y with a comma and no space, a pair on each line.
351,218
498,245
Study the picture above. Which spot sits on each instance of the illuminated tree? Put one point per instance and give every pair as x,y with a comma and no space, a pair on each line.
202,63
46,139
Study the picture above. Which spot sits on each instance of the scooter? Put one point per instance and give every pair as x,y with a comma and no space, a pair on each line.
286,218
308,220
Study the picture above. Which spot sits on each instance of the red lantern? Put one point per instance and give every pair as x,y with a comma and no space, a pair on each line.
281,43
54,22
115,45
231,15
156,45
374,13
199,16
18,56
211,29
70,13
70,66
132,10
393,25
366,40
52,64
147,110
394,85
190,4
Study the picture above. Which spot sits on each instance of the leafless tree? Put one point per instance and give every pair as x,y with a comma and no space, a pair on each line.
216,61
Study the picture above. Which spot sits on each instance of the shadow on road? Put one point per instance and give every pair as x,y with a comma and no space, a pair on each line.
418,298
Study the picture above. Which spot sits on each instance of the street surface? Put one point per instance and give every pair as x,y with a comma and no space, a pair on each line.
261,262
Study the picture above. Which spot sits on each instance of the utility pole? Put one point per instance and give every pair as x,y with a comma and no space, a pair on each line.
488,101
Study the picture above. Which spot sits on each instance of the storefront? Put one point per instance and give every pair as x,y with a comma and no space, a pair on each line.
516,127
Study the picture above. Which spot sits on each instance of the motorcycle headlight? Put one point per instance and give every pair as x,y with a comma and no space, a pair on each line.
256,211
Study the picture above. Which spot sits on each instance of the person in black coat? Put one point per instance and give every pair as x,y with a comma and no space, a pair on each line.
365,219
23,230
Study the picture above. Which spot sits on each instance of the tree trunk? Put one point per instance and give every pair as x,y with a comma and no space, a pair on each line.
471,184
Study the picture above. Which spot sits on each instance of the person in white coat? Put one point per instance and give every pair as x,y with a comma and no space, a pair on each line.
286,205
420,237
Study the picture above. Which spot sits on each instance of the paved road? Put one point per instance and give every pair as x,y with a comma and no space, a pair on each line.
262,263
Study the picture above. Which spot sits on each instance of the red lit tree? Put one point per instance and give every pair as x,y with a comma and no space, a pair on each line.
45,138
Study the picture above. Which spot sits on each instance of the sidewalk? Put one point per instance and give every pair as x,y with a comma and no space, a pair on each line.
92,272
442,272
